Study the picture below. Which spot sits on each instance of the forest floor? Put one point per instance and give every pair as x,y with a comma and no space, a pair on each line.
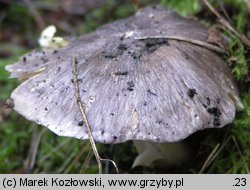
28,148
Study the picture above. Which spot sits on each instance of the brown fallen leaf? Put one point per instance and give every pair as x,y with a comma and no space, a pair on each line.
215,37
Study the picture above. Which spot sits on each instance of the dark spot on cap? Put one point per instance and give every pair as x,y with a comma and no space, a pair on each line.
24,59
46,109
130,89
122,37
215,111
159,121
122,47
114,137
55,51
145,103
102,132
217,121
153,44
136,55
44,60
204,105
112,114
114,53
155,41
109,55
150,92
80,123
121,73
191,92
186,56
208,101
131,85
218,100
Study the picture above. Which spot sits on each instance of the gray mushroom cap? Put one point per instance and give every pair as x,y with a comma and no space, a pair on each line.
140,78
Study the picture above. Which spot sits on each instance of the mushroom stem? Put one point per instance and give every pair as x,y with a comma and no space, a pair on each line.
85,120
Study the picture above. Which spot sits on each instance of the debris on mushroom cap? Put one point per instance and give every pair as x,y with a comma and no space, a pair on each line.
152,77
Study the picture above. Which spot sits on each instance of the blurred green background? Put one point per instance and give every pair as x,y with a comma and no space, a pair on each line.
28,148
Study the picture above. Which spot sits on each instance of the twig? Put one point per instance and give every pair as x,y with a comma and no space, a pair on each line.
242,157
197,42
113,162
54,150
39,20
224,22
66,162
76,159
224,11
86,161
209,158
214,154
36,138
85,120
248,3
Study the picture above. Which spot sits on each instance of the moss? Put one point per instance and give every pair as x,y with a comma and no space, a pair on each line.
183,7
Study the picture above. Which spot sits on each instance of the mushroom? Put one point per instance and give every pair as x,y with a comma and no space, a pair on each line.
150,77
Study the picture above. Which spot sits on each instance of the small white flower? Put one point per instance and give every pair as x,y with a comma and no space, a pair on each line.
47,39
